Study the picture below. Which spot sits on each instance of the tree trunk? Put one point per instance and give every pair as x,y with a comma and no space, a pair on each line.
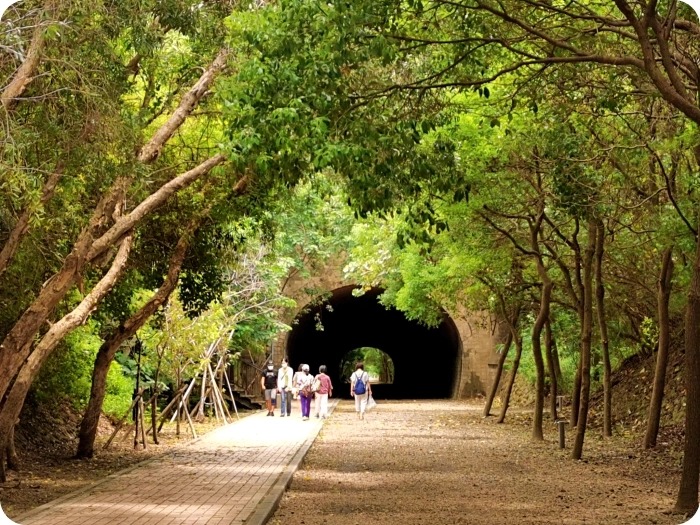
545,300
15,399
542,316
22,225
553,386
511,379
16,346
499,372
657,393
12,458
106,353
687,500
26,72
555,360
576,390
154,401
577,449
155,201
178,415
603,329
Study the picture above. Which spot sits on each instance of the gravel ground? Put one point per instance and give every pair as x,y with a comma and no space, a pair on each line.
440,462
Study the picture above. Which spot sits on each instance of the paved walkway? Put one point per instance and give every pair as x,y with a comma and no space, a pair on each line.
233,475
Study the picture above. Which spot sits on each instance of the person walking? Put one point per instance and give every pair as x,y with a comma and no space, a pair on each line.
303,384
295,381
268,384
284,386
324,390
360,389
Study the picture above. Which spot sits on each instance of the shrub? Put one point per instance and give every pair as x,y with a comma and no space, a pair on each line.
119,391
67,374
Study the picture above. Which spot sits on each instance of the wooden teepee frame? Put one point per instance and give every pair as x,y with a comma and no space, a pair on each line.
211,384
211,380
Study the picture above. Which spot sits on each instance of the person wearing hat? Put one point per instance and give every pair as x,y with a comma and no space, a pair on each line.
303,383
268,384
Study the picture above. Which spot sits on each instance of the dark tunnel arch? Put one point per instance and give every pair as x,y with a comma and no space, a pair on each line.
427,361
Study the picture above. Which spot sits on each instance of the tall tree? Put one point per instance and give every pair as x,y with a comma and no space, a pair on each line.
588,270
657,393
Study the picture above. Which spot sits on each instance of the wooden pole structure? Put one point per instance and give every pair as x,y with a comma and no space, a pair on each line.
138,412
123,418
228,383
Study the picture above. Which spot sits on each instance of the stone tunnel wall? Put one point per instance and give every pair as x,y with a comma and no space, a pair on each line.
479,333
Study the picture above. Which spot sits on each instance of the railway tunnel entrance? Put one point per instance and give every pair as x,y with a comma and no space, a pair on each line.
426,362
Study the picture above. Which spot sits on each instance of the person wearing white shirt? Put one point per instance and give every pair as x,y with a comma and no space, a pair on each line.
284,387
359,380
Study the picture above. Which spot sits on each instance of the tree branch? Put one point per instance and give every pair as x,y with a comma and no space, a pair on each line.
151,150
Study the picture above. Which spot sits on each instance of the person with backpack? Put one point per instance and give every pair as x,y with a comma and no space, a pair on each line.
268,383
360,389
323,388
304,381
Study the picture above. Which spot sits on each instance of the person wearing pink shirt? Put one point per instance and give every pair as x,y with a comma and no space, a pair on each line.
323,392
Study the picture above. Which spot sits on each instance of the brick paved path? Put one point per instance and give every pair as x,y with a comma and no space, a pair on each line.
233,475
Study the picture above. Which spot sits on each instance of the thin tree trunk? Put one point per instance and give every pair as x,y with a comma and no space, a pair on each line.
109,348
573,285
511,321
154,400
499,372
657,393
553,387
537,432
576,389
511,379
577,449
555,360
687,500
177,408
603,329
542,316
18,392
22,225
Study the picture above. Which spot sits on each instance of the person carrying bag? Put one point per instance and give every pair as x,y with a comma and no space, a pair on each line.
360,389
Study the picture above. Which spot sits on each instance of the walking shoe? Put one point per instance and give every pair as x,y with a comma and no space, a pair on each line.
316,416
282,414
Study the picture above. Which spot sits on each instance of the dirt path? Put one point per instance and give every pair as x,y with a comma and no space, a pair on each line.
440,462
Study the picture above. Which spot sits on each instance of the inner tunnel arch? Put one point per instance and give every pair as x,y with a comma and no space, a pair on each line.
427,361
